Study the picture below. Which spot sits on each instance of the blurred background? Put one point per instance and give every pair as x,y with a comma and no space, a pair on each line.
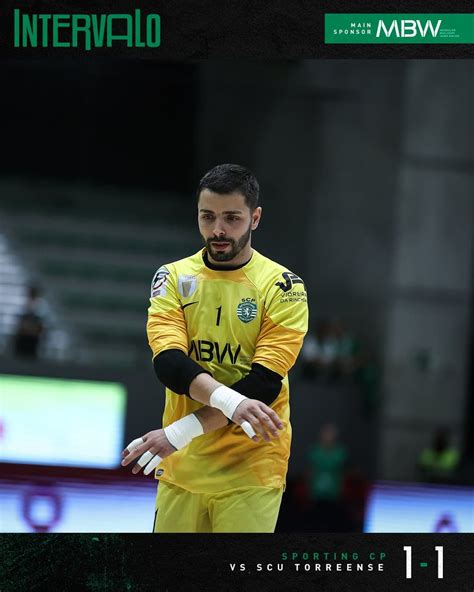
366,173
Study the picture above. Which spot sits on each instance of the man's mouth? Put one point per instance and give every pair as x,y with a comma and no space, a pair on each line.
222,245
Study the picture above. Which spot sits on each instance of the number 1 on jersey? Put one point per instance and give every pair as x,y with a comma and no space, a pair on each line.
219,310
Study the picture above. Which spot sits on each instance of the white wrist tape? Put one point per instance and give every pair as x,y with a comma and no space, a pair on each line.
181,432
226,399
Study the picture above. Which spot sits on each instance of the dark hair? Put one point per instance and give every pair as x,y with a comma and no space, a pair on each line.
230,178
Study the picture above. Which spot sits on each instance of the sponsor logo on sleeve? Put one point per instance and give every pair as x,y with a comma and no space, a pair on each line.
289,294
187,285
290,279
158,285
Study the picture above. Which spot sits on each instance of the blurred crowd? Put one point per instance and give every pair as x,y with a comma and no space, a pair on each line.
32,325
332,494
333,354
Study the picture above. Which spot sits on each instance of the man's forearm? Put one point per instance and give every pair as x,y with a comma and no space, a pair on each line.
200,390
252,415
152,447
211,419
202,386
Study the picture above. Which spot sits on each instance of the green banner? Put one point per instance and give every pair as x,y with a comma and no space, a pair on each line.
399,28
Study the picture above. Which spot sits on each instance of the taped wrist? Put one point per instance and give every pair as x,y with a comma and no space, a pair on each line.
176,371
181,432
226,399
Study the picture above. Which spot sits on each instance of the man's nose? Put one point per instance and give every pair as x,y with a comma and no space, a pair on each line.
219,229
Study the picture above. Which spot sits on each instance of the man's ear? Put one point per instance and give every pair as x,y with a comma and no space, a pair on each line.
256,215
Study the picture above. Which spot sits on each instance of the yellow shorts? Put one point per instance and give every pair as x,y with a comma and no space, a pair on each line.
246,509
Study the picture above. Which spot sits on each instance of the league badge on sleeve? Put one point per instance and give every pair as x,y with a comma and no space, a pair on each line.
187,285
158,285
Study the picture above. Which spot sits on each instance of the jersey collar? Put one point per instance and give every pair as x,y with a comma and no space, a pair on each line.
210,265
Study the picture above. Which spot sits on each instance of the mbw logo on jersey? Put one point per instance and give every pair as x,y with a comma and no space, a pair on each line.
247,310
206,351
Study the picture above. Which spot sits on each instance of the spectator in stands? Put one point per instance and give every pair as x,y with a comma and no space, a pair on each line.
319,352
327,461
309,354
347,348
439,462
32,325
368,376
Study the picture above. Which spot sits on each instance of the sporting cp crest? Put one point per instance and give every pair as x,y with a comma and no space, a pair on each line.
187,285
247,311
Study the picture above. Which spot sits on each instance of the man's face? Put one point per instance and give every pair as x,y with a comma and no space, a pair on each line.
225,224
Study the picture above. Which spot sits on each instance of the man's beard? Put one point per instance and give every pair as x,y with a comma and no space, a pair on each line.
236,246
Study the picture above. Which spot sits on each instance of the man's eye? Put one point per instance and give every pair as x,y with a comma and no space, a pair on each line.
232,218
206,217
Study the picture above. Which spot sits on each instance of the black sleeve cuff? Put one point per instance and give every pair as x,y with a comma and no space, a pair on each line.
260,383
176,371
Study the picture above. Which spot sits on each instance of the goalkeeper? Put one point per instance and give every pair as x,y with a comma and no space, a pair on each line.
225,326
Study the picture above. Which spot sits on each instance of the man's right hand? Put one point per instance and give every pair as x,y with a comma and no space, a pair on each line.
149,449
262,418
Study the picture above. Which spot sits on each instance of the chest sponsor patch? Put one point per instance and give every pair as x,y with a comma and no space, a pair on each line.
247,311
187,285
158,285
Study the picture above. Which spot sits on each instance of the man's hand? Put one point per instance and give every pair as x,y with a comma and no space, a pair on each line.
149,449
252,415
261,417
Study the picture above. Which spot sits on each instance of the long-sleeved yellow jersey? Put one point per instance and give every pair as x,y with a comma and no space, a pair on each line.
226,320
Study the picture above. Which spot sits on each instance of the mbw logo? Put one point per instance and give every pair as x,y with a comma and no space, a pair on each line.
408,28
206,351
393,28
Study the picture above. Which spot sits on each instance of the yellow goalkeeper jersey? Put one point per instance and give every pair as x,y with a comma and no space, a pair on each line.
226,320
